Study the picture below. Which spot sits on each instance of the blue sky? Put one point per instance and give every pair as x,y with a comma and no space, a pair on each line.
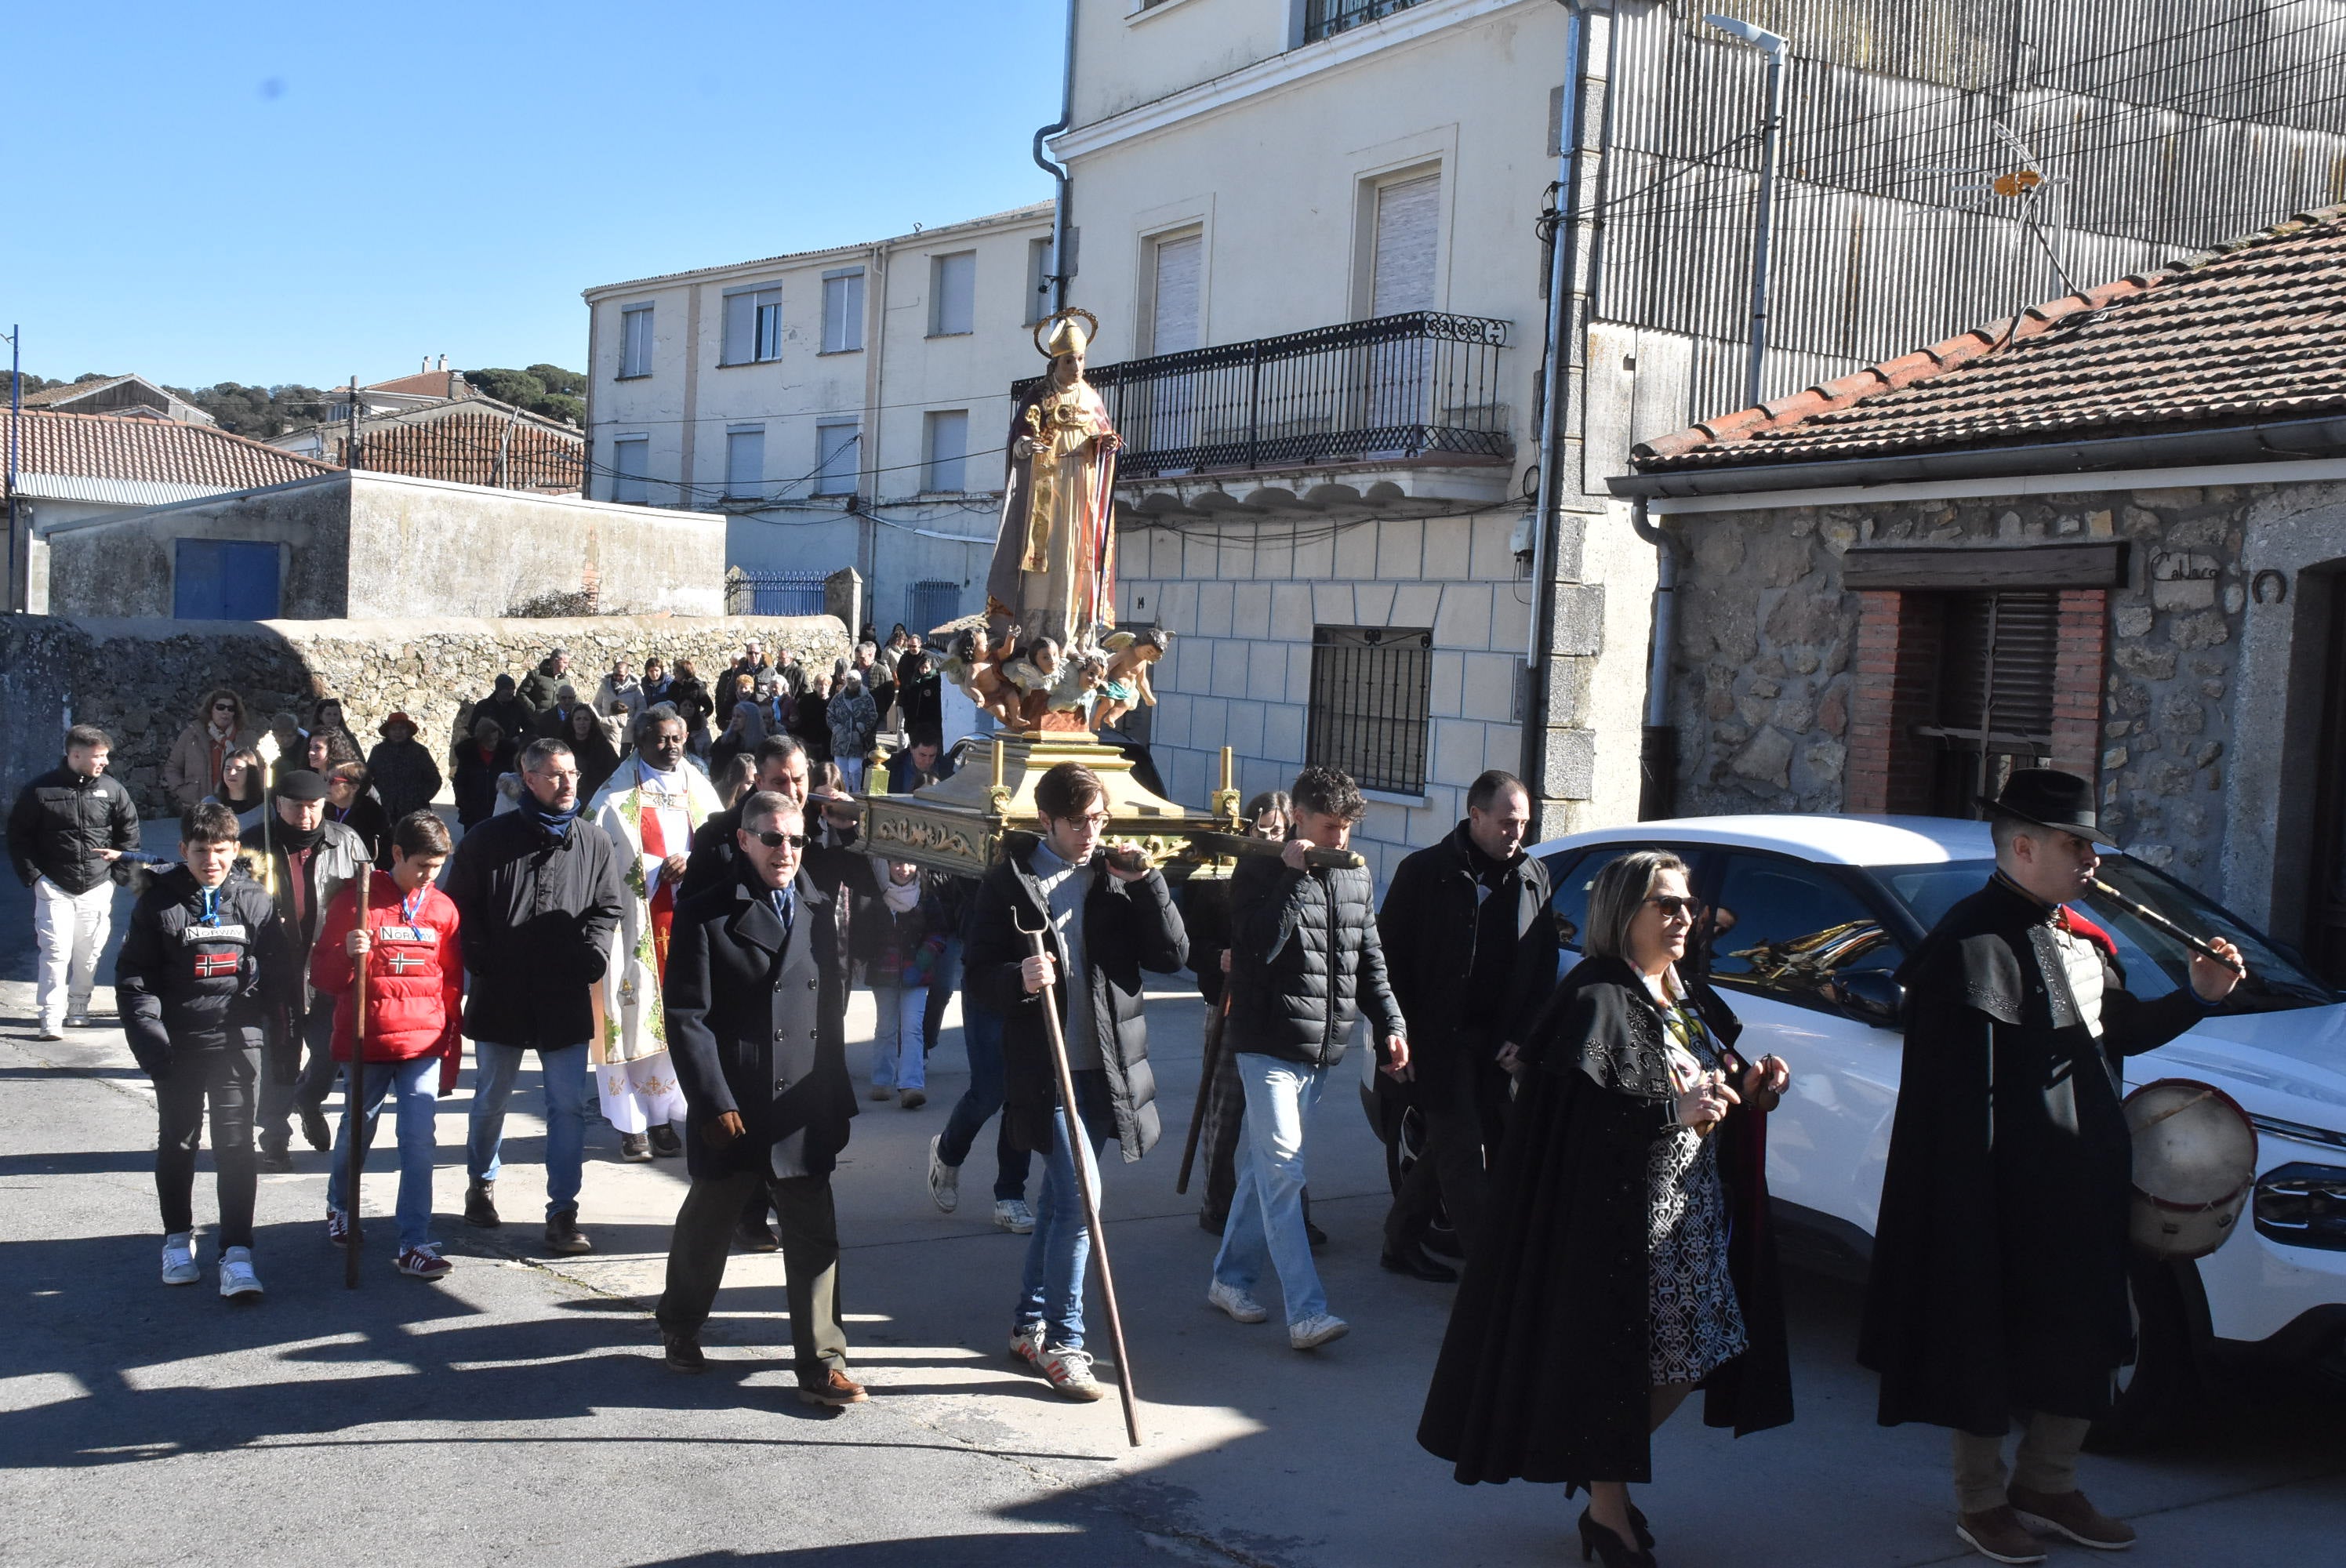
219,193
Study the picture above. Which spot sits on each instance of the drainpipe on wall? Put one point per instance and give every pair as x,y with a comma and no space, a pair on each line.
1061,270
1657,745
867,439
1565,325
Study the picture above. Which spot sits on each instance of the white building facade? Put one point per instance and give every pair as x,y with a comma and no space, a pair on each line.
846,407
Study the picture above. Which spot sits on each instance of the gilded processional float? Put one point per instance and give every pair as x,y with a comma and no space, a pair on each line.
1044,658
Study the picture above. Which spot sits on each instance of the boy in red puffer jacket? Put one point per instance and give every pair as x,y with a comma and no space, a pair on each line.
416,987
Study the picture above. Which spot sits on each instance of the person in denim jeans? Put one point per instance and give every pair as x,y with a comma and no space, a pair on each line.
1304,961
1102,917
981,1034
539,892
412,1047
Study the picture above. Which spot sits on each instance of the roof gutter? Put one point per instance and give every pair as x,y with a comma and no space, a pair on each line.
2322,437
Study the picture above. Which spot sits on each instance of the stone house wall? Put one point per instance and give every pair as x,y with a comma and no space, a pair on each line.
140,680
1768,673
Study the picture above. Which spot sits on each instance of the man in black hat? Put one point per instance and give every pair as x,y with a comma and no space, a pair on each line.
1999,1283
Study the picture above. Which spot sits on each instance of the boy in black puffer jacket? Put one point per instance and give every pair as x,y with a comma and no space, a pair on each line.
202,970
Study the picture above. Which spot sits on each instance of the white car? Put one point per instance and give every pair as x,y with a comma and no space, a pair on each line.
1812,916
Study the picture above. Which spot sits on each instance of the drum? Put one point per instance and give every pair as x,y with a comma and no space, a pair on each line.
2195,1162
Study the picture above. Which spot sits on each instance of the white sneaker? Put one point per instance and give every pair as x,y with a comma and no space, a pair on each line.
1070,1372
944,1180
1241,1306
236,1274
1026,1344
1315,1331
1011,1214
179,1259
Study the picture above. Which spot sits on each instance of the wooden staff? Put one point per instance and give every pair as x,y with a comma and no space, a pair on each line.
1241,844
1214,1020
2144,912
354,1095
1075,1130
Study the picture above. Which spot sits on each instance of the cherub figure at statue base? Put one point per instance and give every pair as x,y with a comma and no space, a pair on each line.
1124,681
975,665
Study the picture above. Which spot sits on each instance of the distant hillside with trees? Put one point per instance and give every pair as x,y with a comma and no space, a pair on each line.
265,413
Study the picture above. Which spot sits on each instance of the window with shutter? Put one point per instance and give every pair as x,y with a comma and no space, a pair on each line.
948,450
630,462
754,326
842,312
835,447
953,294
636,341
745,463
1174,324
1408,226
1993,706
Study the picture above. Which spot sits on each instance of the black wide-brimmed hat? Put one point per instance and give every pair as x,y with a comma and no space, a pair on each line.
2051,799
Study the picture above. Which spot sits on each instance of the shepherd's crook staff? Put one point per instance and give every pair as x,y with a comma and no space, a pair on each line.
1082,1155
354,1095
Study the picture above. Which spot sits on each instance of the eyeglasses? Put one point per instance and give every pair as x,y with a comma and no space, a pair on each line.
1672,907
223,707
1092,820
776,840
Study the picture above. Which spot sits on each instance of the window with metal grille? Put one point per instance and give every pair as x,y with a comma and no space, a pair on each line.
930,604
1369,686
1993,711
1326,18
751,591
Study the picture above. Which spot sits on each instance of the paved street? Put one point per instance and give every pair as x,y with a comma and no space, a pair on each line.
518,1413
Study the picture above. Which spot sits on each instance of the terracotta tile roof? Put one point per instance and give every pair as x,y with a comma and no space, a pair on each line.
100,446
425,383
2254,332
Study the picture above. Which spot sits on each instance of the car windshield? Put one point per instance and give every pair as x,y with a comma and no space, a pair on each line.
2154,962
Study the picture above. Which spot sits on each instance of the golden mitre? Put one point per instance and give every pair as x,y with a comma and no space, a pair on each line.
1068,333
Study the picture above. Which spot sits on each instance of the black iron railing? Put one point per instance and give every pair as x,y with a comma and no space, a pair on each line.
1324,18
1390,387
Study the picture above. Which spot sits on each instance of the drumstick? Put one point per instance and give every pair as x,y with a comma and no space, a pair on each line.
2144,912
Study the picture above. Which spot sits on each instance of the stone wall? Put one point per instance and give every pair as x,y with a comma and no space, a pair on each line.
140,680
1761,681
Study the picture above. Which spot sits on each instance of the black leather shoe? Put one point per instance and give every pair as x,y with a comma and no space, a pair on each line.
314,1130
1418,1266
665,1143
682,1352
757,1235
275,1159
563,1235
481,1204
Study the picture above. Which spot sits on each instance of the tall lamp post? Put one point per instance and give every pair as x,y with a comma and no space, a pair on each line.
1774,47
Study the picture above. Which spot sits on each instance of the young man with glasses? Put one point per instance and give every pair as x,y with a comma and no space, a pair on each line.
1105,915
1305,959
757,1020
537,892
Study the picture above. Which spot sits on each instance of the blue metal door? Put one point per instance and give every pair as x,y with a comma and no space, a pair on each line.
224,580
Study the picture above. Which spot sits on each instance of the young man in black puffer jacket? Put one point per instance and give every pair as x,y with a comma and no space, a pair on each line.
205,964
1304,962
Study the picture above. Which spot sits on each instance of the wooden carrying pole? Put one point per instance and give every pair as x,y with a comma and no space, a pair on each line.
1081,1154
355,1094
1216,1020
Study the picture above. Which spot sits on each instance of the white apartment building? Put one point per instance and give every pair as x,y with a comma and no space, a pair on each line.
846,407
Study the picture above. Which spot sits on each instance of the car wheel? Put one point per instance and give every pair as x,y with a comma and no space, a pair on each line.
2161,1390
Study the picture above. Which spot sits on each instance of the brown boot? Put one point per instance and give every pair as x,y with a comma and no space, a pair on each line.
2069,1515
1998,1535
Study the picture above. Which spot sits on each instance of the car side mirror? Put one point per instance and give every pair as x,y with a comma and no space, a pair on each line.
1872,996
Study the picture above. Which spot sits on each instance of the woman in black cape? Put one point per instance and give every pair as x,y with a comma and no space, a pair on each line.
1627,1259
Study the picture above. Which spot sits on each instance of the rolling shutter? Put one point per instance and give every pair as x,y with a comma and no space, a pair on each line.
1409,214
1173,325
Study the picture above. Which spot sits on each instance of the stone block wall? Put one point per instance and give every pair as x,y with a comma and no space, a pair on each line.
140,680
1241,602
1774,657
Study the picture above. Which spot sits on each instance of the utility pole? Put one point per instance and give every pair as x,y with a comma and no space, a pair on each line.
19,593
1774,47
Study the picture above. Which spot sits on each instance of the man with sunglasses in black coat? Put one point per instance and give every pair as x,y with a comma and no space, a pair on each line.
755,1000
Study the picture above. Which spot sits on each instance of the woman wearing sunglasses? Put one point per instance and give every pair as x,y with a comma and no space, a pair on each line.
1626,1258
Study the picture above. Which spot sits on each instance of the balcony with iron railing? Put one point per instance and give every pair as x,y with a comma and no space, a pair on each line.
1413,390
1325,19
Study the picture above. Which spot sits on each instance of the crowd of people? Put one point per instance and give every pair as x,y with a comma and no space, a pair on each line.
682,930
